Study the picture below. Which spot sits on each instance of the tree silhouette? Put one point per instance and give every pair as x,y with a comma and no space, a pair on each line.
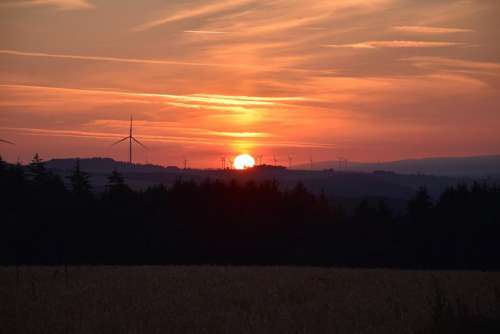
217,222
80,181
37,169
420,206
3,164
116,181
116,188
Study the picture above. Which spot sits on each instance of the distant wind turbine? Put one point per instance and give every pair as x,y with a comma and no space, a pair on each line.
259,159
290,161
131,138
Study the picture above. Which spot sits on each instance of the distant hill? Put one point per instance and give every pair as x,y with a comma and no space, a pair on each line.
478,166
105,165
335,184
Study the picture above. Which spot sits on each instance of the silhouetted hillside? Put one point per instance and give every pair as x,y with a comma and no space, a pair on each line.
479,166
105,165
334,184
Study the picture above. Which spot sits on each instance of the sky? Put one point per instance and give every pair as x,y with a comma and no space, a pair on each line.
366,80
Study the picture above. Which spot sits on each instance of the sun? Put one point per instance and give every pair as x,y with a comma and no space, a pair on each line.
243,161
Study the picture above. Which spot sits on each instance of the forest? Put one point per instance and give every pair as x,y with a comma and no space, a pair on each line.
48,220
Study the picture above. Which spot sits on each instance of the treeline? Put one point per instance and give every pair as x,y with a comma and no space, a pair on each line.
45,220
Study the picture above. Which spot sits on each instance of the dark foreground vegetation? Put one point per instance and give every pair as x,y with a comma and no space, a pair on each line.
218,299
45,220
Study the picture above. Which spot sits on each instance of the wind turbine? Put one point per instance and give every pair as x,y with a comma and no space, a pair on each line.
341,160
223,162
259,159
311,162
290,162
275,160
130,138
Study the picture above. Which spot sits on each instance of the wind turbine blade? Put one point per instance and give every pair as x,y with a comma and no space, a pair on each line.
118,142
138,142
6,142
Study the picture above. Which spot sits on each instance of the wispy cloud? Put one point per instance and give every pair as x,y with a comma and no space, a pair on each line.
430,30
192,13
202,99
60,4
393,44
110,59
242,66
225,139
205,32
455,65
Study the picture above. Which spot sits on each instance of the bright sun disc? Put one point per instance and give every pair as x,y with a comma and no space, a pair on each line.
243,161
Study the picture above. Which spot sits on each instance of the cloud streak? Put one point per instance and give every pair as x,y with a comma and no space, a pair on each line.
210,141
109,59
204,99
392,44
205,32
430,30
60,4
190,13
250,67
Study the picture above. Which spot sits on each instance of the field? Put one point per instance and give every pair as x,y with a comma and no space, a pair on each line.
205,299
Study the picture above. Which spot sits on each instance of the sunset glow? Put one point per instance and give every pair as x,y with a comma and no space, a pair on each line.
366,80
243,161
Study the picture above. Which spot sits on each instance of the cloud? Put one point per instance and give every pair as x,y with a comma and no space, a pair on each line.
393,44
205,32
192,13
110,59
457,65
252,67
430,30
226,138
60,4
200,100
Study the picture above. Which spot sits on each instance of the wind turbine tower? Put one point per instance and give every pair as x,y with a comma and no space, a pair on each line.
130,139
290,162
259,159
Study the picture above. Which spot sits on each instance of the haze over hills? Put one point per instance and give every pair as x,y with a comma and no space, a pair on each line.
104,165
474,166
352,183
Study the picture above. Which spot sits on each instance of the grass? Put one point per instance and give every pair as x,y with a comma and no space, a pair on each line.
205,299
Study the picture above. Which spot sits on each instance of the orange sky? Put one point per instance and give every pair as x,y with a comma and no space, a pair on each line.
368,80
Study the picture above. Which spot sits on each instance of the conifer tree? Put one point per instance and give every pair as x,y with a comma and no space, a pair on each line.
420,205
3,164
80,181
37,169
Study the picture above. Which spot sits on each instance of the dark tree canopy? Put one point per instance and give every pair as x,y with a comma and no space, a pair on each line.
216,222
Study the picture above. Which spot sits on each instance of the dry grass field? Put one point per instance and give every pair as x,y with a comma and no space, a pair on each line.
205,299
